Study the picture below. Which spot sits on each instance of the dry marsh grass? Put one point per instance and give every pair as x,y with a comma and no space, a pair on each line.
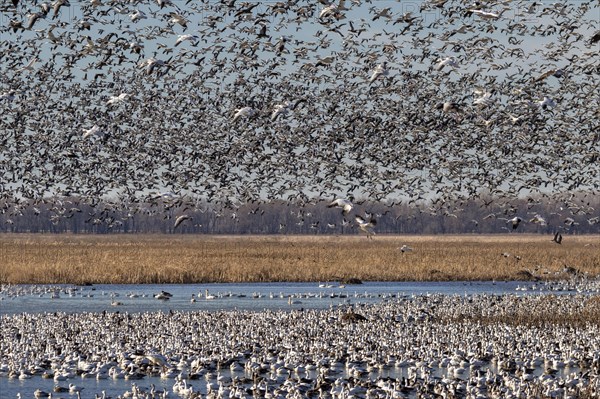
30,258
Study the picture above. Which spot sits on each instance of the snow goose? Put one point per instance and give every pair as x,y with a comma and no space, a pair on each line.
244,112
380,70
448,61
343,203
366,225
93,131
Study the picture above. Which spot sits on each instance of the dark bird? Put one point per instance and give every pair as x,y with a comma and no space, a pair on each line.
557,238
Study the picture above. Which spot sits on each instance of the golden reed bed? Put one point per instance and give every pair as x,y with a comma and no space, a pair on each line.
31,258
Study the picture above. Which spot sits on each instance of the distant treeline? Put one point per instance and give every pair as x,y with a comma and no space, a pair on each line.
575,214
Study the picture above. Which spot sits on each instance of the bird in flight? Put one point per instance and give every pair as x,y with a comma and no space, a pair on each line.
366,225
405,248
380,70
557,238
343,203
180,219
244,112
538,220
515,222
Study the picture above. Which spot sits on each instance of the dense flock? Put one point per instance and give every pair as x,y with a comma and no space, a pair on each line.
176,105
429,346
198,104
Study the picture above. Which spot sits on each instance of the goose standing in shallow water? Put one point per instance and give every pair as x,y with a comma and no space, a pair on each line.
460,352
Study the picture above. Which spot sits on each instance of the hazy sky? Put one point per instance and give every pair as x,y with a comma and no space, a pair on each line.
176,123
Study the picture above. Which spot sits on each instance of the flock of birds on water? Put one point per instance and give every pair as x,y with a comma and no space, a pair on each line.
185,106
425,346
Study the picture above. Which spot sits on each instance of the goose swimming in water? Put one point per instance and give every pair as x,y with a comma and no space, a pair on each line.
163,295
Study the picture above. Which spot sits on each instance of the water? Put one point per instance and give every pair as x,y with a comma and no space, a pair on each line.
255,297
248,296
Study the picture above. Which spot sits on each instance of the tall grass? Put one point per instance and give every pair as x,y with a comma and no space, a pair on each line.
198,259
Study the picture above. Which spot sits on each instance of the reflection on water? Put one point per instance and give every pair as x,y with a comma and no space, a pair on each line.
189,297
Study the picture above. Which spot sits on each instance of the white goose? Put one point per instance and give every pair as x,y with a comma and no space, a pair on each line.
93,131
448,61
244,112
114,100
380,70
366,225
184,38
333,10
343,203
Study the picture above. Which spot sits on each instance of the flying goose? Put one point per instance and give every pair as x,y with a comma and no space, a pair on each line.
245,112
93,131
557,238
333,10
405,248
485,98
366,225
448,61
180,219
546,103
137,15
515,222
343,203
537,219
187,37
380,70
114,100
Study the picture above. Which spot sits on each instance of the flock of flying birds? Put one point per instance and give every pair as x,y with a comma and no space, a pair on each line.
231,102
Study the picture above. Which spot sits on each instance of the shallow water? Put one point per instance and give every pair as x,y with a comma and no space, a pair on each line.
254,296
